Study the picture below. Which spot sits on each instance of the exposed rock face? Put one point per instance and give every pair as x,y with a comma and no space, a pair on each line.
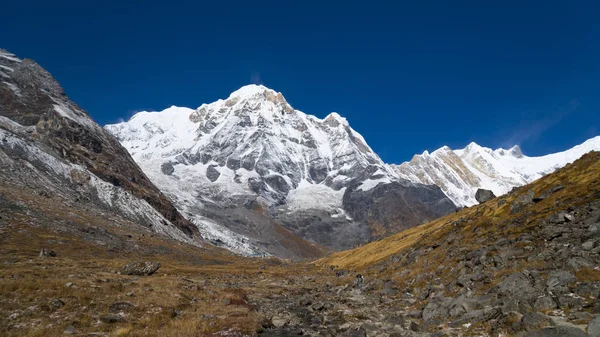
212,173
390,208
254,147
483,196
167,168
40,126
140,268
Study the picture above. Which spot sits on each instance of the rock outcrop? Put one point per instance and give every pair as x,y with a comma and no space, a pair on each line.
66,151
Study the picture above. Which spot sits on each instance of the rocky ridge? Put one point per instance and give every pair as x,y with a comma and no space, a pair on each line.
51,146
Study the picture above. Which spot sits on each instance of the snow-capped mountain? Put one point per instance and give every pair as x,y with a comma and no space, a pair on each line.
459,173
49,146
253,133
253,147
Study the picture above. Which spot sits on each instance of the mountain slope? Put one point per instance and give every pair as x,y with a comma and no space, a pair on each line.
459,173
491,268
51,146
253,148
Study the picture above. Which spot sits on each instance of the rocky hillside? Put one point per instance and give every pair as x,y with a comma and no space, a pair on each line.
50,146
525,264
459,173
316,177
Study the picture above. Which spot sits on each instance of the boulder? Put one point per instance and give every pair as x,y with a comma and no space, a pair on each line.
544,303
559,278
523,200
517,285
559,331
140,268
534,321
483,195
593,328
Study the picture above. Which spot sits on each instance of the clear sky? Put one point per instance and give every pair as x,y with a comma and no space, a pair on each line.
408,75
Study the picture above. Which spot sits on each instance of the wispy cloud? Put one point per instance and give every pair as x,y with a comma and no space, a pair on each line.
531,128
255,78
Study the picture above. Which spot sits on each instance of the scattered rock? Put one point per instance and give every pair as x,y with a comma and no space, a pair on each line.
577,263
47,253
140,268
279,321
360,332
56,303
70,330
414,326
110,319
69,284
120,306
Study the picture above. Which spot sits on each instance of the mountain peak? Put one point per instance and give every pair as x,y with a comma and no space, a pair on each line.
472,147
515,151
251,90
334,119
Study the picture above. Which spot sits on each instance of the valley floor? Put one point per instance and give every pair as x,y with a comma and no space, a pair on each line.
525,264
82,292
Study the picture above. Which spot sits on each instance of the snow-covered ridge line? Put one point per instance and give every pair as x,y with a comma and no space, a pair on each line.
459,173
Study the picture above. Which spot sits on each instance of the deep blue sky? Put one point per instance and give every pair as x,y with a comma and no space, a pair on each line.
409,75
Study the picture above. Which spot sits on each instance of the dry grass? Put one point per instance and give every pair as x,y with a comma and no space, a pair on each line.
182,299
196,292
582,185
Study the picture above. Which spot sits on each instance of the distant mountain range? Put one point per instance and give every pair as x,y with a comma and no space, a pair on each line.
459,173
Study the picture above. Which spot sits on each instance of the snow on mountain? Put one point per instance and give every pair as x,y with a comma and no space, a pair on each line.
49,145
459,173
230,144
251,146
